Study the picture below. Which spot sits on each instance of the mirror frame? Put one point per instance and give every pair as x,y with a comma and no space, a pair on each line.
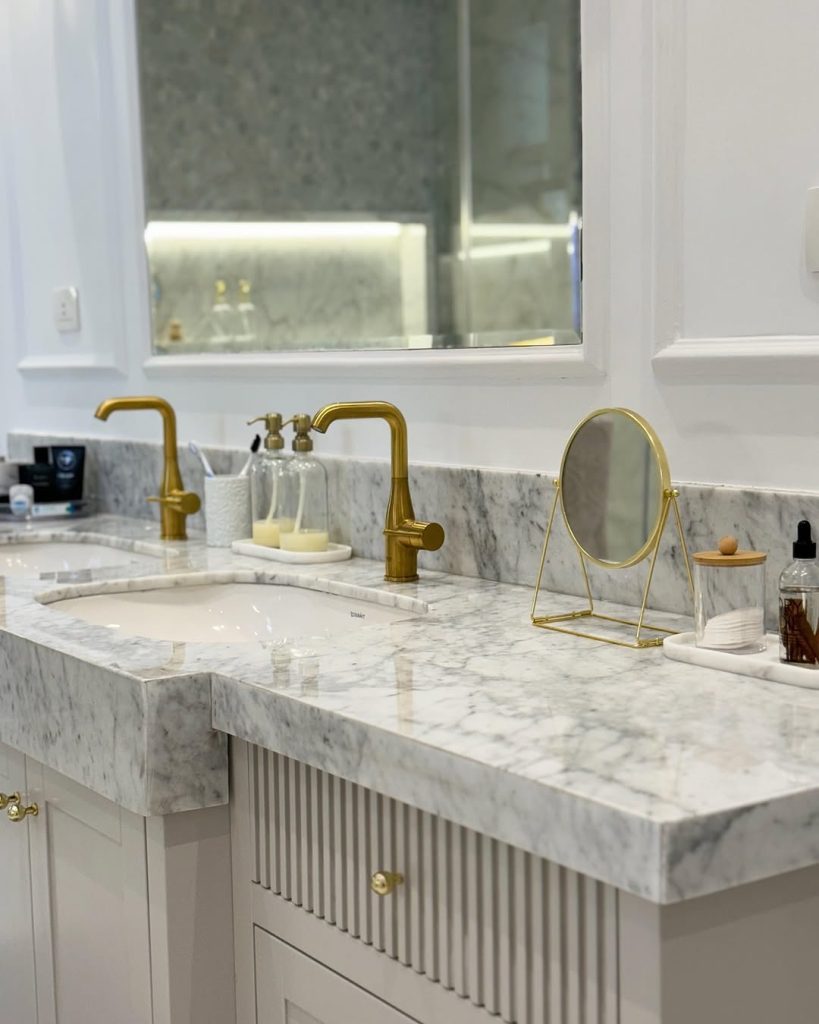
665,486
464,367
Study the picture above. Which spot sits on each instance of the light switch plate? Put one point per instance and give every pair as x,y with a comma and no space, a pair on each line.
66,309
812,231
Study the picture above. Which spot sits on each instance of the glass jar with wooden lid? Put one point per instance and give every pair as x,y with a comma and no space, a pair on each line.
729,598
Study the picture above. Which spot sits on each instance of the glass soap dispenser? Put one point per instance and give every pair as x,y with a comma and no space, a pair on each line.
306,510
269,479
799,603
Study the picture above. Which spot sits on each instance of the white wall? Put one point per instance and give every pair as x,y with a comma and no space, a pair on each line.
713,323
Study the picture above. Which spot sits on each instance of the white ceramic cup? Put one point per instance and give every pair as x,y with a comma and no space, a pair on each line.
227,510
21,500
9,475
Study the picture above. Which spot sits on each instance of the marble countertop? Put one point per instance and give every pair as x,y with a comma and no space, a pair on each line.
664,779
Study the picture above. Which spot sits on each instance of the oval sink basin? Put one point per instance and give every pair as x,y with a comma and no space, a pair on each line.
227,612
34,558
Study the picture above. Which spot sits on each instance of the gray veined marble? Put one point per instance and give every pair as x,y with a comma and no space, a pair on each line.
665,780
494,519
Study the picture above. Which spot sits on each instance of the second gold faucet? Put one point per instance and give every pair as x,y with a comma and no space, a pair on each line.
404,535
176,504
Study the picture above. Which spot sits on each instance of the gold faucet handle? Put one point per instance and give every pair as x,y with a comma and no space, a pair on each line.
414,534
9,798
185,502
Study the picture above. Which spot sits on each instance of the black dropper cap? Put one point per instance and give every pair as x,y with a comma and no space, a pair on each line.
804,546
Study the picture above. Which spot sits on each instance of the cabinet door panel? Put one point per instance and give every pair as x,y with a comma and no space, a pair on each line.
90,905
293,989
17,987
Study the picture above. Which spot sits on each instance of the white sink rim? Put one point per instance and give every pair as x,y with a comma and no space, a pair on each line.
402,604
21,535
124,554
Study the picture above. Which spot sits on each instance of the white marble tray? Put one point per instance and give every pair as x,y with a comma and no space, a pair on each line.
765,665
334,553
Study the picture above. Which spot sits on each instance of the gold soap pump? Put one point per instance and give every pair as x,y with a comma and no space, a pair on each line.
270,483
306,502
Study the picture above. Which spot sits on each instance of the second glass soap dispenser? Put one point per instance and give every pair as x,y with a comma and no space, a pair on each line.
270,484
306,503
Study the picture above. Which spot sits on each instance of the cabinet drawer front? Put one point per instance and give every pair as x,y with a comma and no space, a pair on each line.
524,938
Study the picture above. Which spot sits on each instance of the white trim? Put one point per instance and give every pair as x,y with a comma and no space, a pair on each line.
595,47
668,55
528,365
136,289
763,359
83,362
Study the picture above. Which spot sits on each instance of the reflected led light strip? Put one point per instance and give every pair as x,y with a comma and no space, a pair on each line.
502,249
522,231
171,230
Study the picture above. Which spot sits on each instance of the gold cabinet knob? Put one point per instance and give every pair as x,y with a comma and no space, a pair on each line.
383,883
17,812
9,798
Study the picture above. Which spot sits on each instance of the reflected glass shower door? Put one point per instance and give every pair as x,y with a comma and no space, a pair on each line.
519,127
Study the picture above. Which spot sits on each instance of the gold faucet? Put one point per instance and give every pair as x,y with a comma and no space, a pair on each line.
404,536
175,502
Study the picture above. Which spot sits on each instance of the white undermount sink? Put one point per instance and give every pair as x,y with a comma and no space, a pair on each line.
35,558
228,612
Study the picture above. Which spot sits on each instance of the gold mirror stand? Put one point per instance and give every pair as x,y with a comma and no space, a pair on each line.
555,622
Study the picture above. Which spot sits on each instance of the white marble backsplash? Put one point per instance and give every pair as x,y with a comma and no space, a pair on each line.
494,519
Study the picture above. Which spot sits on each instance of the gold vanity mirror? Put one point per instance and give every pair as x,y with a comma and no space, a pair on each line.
615,495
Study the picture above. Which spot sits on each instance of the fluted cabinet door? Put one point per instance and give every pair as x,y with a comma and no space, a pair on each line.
292,988
18,1003
493,932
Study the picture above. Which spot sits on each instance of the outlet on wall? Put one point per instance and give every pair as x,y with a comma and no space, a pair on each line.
66,309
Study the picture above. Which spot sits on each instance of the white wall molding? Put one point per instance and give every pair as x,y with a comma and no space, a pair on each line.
679,358
531,365
71,362
595,58
667,53
66,184
771,359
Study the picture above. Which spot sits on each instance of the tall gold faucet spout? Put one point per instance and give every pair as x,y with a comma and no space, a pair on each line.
175,502
404,536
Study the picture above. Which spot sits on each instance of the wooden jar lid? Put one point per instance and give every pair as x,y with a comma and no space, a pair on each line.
728,554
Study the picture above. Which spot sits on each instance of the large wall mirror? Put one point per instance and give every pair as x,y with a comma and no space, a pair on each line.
361,174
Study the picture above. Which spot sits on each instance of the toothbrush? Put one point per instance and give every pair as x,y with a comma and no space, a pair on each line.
197,451
257,440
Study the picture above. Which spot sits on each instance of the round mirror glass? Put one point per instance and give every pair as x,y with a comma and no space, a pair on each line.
611,487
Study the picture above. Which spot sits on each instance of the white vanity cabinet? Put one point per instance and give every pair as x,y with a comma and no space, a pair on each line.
109,916
474,931
292,988
480,931
18,997
89,903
